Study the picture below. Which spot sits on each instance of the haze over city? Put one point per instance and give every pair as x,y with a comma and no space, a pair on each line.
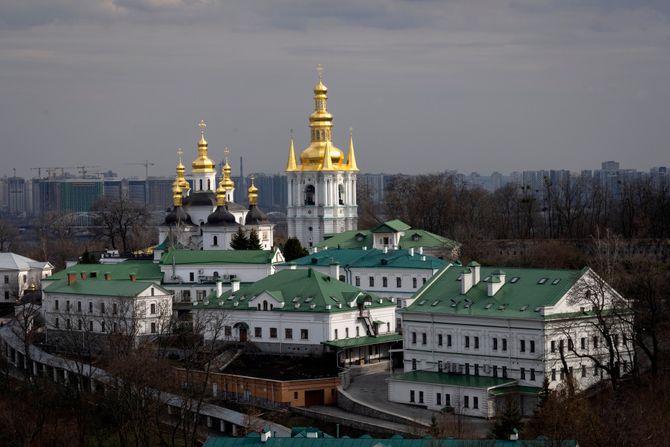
427,86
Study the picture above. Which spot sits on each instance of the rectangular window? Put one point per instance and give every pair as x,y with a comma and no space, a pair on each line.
439,365
423,280
420,397
583,370
413,364
295,395
522,345
476,342
336,334
273,332
55,304
67,305
358,331
78,306
411,395
288,333
495,371
553,346
102,326
553,374
449,340
476,369
90,307
413,338
372,281
466,401
438,399
304,334
467,369
191,276
424,338
6,294
90,326
532,374
495,344
357,281
56,323
398,282
414,283
595,342
447,399
571,345
6,279
385,281
115,308
582,343
80,325
153,308
475,402
504,344
258,332
615,340
467,341
153,328
228,331
532,346
102,309
504,372
439,339
522,373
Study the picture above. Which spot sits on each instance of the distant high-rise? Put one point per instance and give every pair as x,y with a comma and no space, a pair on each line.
610,166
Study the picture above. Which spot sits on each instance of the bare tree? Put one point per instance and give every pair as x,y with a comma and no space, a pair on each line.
8,235
119,220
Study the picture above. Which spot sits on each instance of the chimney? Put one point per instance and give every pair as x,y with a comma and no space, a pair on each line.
420,250
219,288
495,283
108,276
71,278
265,435
234,285
315,249
133,277
411,251
476,270
334,270
83,275
423,257
466,280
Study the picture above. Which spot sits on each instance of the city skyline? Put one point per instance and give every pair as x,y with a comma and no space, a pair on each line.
466,86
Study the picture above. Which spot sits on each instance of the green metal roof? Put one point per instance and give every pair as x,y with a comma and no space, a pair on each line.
179,257
359,258
412,238
301,290
253,439
144,271
126,289
392,226
522,296
356,342
461,380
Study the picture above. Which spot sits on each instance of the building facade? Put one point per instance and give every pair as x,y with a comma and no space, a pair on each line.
19,274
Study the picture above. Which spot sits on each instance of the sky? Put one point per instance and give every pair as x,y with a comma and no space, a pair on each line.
427,85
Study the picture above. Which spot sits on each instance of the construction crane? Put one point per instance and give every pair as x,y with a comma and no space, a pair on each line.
86,168
146,164
50,170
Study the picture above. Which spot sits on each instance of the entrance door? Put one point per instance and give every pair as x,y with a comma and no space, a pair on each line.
314,397
243,333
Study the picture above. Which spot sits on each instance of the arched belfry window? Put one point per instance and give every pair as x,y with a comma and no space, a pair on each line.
200,184
340,194
216,240
209,184
265,305
309,195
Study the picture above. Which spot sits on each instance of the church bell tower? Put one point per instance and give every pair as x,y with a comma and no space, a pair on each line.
322,187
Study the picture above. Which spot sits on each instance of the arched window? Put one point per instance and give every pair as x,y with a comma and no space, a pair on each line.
265,305
340,194
215,240
200,184
309,195
209,184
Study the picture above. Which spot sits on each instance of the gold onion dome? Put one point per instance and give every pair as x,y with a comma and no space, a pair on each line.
321,124
253,193
176,193
221,194
181,169
203,163
227,182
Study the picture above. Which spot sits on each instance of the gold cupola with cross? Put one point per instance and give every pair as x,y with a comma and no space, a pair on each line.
203,164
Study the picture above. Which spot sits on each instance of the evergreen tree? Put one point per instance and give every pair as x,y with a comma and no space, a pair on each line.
293,249
506,422
254,242
239,240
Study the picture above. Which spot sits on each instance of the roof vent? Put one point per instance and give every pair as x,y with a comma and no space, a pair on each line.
542,280
297,305
312,306
422,302
524,307
514,280
488,306
501,307
556,281
435,303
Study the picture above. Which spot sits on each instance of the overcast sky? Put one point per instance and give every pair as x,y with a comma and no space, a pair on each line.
427,85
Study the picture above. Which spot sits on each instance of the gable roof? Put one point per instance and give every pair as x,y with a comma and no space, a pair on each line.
412,238
12,261
359,258
143,270
96,287
181,257
300,290
521,298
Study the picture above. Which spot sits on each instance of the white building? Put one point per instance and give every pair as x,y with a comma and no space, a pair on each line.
302,312
19,274
476,336
396,274
81,306
322,187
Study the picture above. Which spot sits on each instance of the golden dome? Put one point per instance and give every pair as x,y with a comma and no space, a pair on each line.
202,164
220,194
176,193
253,193
227,182
314,154
181,169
